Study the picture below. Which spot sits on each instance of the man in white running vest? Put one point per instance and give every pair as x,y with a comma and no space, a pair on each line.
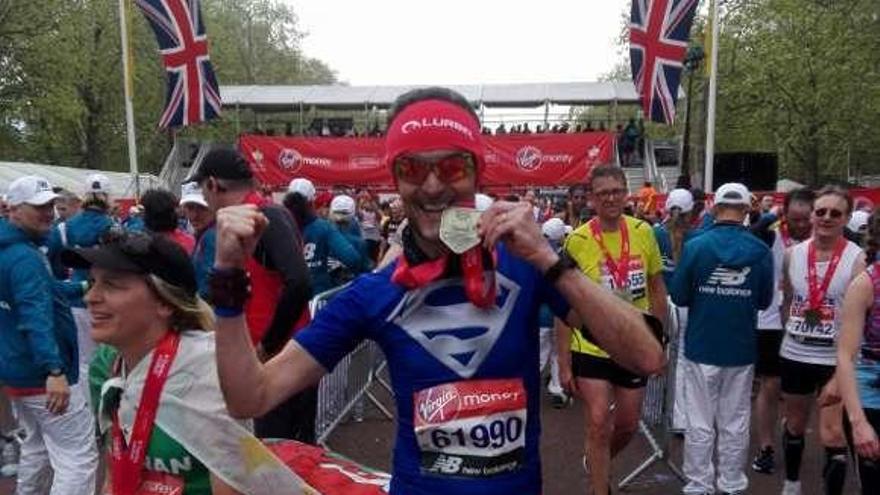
816,274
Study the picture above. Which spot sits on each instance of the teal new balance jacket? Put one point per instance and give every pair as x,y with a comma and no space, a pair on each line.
724,277
37,332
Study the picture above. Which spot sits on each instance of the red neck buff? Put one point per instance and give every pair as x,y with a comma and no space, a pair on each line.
431,125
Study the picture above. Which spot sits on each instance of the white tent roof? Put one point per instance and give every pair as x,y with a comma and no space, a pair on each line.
286,98
73,179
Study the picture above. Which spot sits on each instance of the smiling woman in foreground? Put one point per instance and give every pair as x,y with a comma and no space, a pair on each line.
155,384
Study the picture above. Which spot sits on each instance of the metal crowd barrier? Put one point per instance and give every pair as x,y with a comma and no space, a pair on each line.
342,393
658,406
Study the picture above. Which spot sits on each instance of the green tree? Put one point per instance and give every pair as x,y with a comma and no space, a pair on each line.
61,85
798,77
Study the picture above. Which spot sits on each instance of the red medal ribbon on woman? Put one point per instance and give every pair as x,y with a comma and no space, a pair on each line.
817,293
128,463
620,270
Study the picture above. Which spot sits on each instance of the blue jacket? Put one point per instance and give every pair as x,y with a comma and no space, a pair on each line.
321,241
352,232
37,332
664,242
134,224
83,230
203,258
724,277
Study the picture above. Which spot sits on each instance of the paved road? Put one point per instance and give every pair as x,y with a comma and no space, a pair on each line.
369,442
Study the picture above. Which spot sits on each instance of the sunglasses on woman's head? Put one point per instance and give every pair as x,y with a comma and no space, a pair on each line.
830,212
448,169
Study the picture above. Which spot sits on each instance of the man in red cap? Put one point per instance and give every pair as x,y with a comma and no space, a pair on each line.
456,315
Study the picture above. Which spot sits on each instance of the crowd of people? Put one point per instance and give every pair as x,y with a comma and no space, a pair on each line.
164,334
629,134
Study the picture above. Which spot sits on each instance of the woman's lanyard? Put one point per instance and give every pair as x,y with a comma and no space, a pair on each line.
127,462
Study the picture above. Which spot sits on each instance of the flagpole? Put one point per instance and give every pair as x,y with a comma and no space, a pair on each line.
713,95
129,108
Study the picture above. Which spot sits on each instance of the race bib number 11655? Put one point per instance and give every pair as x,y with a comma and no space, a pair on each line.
473,428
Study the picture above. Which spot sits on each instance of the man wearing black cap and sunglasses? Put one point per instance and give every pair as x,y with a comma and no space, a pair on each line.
279,279
456,315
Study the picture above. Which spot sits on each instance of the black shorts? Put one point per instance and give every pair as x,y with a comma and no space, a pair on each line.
803,378
589,366
769,342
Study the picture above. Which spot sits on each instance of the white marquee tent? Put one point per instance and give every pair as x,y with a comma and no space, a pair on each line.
73,179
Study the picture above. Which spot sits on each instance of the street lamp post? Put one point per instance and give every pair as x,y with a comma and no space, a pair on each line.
692,61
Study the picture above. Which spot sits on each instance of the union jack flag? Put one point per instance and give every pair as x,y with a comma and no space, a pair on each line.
658,33
192,94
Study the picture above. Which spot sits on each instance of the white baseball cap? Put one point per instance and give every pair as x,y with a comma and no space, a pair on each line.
858,220
342,205
192,193
681,199
303,187
734,194
482,202
30,189
554,229
97,183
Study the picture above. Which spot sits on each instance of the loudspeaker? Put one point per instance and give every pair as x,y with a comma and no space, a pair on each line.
758,171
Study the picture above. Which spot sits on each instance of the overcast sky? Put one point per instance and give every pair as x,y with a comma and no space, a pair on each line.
462,42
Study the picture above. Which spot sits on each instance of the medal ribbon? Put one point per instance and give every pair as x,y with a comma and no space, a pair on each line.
480,291
620,270
817,292
128,463
787,241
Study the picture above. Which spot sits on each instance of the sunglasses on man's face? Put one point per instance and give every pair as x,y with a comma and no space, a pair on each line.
448,169
829,212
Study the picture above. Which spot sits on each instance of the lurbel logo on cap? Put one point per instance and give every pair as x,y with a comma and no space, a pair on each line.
96,185
436,123
529,158
43,186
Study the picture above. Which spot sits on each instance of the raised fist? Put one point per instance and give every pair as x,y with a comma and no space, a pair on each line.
238,230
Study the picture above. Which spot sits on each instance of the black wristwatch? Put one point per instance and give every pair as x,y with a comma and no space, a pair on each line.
564,264
56,372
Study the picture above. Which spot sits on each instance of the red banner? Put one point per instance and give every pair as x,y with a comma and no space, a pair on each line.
511,160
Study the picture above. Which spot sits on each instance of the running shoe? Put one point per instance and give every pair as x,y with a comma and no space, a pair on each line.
560,401
791,488
764,462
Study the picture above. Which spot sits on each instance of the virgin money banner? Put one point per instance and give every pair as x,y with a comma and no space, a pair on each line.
545,159
511,160
324,161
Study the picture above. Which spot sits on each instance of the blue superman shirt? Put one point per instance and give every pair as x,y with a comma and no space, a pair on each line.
466,381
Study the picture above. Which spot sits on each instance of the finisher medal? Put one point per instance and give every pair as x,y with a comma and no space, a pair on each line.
458,228
812,317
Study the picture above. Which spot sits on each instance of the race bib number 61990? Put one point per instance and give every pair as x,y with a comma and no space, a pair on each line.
471,428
